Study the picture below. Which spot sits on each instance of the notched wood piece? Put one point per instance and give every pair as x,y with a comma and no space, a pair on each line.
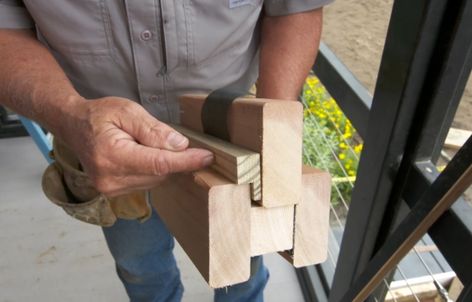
310,245
271,229
210,218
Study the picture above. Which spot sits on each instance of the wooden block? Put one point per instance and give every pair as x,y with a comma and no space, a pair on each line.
310,245
210,218
272,128
456,138
271,229
426,292
455,288
239,165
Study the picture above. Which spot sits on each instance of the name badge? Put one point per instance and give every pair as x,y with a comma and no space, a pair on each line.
238,3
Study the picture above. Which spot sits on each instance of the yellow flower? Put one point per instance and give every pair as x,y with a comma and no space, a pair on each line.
343,145
342,156
358,148
312,81
351,173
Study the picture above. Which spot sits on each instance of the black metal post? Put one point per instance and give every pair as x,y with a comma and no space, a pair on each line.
407,55
425,65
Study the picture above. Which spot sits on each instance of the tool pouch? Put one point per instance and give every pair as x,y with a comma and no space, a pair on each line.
66,185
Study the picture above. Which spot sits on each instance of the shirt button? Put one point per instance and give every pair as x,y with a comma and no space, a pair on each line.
153,98
146,35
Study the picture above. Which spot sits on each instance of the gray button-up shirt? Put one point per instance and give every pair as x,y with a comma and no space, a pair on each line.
150,51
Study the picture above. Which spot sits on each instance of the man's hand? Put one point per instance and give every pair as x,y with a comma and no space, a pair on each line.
123,148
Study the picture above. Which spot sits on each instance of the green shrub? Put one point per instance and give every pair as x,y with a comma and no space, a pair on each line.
329,140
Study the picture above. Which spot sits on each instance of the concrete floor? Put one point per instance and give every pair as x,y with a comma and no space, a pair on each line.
48,256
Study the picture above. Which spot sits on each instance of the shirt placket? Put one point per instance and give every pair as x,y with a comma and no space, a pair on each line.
147,39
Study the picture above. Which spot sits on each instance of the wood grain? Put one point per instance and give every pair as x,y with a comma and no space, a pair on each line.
210,218
239,165
272,128
310,244
271,229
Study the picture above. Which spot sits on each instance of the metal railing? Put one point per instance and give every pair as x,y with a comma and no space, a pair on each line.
425,64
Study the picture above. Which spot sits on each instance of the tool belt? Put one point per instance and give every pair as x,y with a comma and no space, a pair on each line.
68,186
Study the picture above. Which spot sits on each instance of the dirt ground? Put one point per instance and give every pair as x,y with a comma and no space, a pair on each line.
356,29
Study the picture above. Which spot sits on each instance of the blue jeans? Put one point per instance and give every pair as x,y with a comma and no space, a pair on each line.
146,265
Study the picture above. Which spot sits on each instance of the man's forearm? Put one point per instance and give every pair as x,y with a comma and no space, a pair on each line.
31,81
120,145
288,50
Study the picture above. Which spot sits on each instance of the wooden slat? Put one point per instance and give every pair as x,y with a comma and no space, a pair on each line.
272,128
311,220
210,218
271,229
239,165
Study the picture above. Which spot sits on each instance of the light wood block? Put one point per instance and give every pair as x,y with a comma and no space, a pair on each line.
210,218
271,229
426,292
310,245
239,165
272,128
455,288
456,138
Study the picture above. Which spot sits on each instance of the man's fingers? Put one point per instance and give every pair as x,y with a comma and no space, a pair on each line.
191,159
133,183
150,132
159,135
151,161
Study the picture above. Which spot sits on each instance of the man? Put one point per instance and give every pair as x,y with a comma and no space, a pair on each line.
133,58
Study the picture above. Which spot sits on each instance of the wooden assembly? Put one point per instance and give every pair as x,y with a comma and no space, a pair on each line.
220,229
254,199
272,128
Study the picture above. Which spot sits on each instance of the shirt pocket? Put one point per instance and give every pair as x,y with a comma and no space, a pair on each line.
220,29
72,27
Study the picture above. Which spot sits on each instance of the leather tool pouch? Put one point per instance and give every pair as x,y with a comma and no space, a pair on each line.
66,185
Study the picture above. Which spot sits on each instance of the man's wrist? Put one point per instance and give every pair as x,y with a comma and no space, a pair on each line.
276,92
69,110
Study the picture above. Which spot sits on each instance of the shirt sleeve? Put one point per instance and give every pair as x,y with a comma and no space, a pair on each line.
287,7
13,14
